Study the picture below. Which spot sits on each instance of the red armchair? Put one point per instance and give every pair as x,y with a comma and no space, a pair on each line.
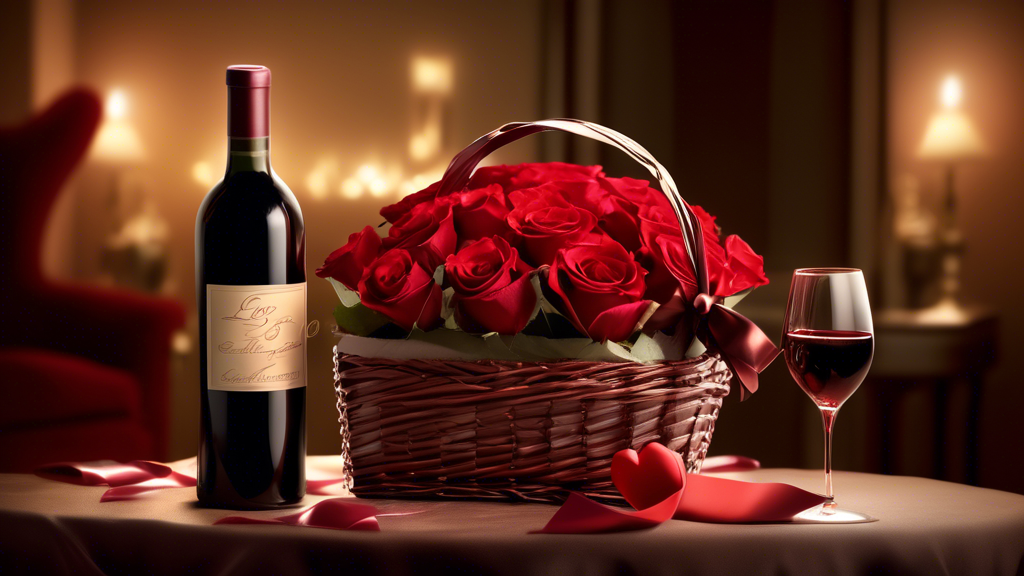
85,371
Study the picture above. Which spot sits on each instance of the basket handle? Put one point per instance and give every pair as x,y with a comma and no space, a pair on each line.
456,177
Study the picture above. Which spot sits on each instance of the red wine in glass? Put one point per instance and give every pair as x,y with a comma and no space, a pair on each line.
828,343
829,365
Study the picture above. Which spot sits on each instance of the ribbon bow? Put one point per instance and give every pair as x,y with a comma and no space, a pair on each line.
743,345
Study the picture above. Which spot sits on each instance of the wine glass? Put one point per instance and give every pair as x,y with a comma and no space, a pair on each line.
828,343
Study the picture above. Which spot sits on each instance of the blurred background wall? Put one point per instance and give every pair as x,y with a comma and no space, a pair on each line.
797,123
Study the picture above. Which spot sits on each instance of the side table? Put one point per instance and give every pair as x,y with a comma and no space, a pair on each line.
941,346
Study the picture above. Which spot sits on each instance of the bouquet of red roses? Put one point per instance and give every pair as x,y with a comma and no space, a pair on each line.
549,251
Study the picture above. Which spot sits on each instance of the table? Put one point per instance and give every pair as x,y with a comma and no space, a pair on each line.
941,347
926,527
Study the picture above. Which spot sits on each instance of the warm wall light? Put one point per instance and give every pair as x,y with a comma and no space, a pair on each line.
951,92
950,135
426,144
318,181
431,75
116,142
351,188
202,172
950,139
116,105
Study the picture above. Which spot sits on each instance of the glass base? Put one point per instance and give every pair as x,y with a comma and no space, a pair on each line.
828,513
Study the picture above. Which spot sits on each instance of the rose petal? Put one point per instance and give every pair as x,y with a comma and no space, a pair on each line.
505,311
346,264
618,323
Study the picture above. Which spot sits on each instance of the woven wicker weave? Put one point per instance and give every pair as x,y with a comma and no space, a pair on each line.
517,430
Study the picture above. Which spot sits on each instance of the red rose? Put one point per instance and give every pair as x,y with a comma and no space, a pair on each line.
660,223
546,222
657,222
670,269
427,232
500,175
712,241
530,175
746,269
526,175
601,288
346,264
399,288
481,213
492,287
394,212
637,192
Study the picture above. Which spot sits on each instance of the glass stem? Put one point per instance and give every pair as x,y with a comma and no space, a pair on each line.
828,418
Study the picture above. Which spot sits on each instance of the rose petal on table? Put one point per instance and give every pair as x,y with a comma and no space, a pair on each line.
334,514
135,491
729,464
719,500
104,473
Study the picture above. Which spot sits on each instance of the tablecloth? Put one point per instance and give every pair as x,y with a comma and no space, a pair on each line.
925,527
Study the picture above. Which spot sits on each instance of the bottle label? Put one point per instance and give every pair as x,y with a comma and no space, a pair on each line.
256,337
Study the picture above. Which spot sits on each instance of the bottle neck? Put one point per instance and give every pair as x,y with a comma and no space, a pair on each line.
248,129
248,155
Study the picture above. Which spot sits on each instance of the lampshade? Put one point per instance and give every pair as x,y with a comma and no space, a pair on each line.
950,136
116,142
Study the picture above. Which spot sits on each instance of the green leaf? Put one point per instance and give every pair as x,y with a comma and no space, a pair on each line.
348,297
358,320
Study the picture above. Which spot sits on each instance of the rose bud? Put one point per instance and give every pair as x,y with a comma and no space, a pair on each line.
601,288
399,288
492,287
427,232
346,264
746,268
545,222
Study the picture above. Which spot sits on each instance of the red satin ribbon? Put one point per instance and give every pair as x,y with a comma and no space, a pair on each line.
135,479
127,481
743,345
729,463
335,514
656,484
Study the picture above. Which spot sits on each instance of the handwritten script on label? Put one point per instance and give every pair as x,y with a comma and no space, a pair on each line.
257,337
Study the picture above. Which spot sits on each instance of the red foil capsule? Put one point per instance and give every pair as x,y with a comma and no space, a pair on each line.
248,101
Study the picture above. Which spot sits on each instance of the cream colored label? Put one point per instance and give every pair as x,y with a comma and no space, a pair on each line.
256,337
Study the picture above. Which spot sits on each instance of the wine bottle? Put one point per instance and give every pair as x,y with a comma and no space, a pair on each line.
251,298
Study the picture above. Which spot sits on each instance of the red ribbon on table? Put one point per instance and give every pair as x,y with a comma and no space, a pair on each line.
127,481
655,483
334,513
133,479
744,347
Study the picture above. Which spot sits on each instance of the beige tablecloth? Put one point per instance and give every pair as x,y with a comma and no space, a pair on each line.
925,527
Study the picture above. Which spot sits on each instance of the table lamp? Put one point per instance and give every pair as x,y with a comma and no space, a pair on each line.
134,252
117,146
950,140
116,142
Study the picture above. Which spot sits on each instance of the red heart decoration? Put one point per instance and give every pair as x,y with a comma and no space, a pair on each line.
649,477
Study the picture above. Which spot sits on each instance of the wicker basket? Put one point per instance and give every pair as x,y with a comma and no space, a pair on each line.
517,430
524,430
